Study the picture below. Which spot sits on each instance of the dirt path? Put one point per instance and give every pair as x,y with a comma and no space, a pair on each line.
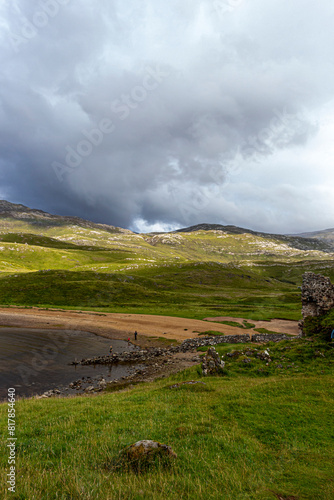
122,326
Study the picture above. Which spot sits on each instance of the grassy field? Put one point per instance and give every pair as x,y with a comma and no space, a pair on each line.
61,263
247,435
194,290
190,290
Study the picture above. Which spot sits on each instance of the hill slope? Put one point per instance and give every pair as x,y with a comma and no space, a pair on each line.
67,261
326,235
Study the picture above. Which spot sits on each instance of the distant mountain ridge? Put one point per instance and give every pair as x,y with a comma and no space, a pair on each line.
215,227
68,261
228,228
324,237
324,234
18,211
318,240
6,206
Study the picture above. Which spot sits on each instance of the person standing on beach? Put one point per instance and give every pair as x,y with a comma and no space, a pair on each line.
110,349
136,335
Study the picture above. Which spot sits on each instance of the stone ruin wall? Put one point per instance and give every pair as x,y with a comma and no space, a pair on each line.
317,295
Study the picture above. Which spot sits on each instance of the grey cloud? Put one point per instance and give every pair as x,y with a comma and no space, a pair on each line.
147,108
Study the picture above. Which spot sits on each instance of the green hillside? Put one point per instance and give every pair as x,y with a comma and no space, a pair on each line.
50,260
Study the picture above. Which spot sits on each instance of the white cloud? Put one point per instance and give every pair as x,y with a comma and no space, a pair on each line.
142,226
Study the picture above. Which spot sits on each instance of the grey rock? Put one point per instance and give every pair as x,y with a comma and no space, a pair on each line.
317,295
190,382
143,453
102,383
212,364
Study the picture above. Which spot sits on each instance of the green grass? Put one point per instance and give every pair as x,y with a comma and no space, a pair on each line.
295,356
232,323
211,333
248,325
245,324
171,290
264,330
238,437
55,263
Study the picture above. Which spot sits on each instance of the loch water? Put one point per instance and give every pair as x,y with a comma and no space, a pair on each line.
34,360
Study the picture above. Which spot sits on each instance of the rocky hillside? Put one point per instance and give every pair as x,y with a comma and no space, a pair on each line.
305,241
326,235
34,240
195,272
40,218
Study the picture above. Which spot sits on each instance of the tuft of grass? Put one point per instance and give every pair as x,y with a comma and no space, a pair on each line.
264,330
211,333
248,325
231,323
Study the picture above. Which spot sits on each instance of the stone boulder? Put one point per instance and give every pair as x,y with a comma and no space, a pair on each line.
212,364
317,295
317,299
147,453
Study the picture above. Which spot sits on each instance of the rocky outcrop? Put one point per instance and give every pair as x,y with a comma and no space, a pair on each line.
212,364
18,211
145,454
317,295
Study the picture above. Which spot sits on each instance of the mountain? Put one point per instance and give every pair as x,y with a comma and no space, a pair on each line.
197,271
215,227
40,218
326,235
301,241
23,225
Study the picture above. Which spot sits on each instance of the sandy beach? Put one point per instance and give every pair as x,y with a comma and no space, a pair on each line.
122,326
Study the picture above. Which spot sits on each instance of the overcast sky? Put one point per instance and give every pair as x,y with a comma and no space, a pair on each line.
155,114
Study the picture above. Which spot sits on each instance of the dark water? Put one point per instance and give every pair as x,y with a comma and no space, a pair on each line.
33,361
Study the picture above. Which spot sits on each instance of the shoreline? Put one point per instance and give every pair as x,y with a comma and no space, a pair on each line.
153,331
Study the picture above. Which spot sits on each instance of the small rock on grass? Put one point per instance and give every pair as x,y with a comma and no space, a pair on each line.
145,454
190,382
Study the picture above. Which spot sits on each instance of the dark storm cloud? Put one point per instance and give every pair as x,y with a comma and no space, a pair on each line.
159,112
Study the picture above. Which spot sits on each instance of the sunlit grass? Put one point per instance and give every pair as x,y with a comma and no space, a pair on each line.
235,437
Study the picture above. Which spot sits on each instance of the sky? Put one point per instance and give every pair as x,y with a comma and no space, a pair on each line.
155,115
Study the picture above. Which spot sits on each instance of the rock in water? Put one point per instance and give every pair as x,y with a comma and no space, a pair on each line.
143,454
102,383
212,364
